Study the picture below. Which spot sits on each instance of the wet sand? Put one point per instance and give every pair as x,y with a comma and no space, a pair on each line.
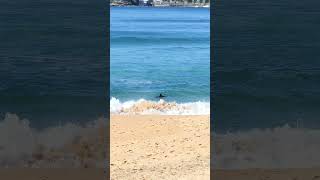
267,174
160,147
51,174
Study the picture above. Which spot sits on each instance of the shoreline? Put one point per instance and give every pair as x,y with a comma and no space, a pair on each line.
160,107
162,6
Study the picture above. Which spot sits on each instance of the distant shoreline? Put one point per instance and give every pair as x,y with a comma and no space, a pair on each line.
161,6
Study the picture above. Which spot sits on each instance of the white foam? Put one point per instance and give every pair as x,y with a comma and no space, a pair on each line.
19,142
16,139
282,147
161,107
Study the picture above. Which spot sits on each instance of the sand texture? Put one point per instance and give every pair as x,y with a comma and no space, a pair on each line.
160,147
52,174
271,174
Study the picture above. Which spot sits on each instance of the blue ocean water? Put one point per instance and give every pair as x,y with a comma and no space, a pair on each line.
266,64
53,79
53,60
266,74
160,50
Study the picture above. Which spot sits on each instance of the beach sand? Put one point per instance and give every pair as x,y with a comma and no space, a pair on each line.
267,174
52,174
160,147
156,147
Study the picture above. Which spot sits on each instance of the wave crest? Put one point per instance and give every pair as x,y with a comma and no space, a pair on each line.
54,147
162,107
282,147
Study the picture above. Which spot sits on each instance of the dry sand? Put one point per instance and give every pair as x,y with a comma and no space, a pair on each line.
160,147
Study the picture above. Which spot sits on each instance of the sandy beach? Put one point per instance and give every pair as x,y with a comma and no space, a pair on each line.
160,147
267,174
51,174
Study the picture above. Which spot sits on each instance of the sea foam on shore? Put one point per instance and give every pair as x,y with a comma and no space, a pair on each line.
282,147
160,107
67,146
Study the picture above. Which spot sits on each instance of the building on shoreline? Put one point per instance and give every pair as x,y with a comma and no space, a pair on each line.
160,3
192,3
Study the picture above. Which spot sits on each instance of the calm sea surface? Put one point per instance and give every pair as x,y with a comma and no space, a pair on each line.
53,60
160,50
266,70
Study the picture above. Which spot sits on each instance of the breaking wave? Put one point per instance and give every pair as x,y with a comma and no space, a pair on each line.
161,107
66,146
283,147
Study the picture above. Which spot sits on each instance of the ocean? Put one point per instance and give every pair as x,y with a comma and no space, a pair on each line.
53,61
53,79
266,90
160,50
266,72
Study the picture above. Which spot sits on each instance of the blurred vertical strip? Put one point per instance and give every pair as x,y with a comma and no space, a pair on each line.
107,15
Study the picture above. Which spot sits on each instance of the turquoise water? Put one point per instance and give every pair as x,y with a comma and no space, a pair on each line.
160,50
